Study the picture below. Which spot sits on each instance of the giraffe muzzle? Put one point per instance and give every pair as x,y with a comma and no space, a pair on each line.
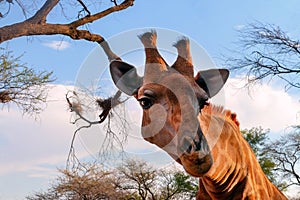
195,154
194,143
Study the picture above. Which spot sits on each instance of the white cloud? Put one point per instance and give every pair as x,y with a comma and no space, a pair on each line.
29,143
57,45
239,27
32,150
37,148
264,106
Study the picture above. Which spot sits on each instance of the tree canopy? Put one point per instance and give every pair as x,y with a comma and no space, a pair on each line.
24,86
134,179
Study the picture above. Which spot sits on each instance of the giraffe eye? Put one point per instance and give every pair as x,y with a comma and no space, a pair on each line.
145,102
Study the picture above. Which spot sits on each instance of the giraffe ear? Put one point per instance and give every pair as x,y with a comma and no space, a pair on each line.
212,80
125,77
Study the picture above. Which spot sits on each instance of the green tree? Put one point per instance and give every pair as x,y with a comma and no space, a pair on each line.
258,139
22,85
178,185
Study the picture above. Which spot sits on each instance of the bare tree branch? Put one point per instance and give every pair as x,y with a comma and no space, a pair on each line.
106,105
286,154
265,52
37,25
41,15
84,7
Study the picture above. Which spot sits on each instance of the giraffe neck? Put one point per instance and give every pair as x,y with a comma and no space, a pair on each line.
225,186
253,186
235,172
238,178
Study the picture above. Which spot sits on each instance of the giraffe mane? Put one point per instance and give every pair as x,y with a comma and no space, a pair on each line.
220,111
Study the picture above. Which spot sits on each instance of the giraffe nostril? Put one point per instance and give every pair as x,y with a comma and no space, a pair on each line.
187,144
189,149
192,144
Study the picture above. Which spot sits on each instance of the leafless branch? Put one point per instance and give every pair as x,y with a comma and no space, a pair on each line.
114,1
266,52
37,24
85,8
22,7
106,105
286,154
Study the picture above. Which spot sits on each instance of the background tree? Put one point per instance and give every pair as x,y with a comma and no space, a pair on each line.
140,177
86,182
265,52
177,185
286,155
21,85
151,183
258,140
133,180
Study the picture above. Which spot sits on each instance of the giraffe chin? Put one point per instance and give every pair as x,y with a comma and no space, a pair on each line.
196,163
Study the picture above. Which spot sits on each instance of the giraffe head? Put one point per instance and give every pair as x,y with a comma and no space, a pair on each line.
171,99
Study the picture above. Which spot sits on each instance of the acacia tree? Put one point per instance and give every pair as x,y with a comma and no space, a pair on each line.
21,85
83,13
140,177
132,180
88,181
177,185
147,182
267,52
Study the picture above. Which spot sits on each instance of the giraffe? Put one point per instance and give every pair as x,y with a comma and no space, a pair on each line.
177,117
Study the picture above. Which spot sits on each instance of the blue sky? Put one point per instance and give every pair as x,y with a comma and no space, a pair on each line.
212,24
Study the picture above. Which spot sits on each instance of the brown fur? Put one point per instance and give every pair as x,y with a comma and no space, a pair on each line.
235,173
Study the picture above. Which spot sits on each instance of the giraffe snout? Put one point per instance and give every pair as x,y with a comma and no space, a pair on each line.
194,143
